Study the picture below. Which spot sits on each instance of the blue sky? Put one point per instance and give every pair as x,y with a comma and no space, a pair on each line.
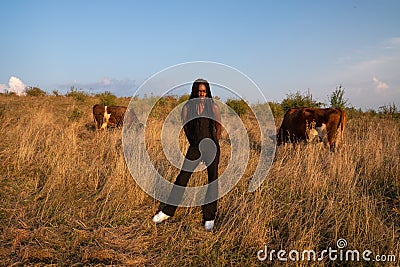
283,46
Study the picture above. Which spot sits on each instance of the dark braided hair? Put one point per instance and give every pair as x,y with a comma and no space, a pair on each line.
192,124
195,88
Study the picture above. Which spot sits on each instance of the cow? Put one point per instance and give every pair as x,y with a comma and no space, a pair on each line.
309,124
112,116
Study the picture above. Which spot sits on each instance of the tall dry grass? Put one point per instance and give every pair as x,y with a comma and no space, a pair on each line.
67,197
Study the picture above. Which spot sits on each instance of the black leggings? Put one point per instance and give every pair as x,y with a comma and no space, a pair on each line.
182,179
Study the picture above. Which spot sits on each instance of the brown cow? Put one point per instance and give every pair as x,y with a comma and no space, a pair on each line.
307,123
112,116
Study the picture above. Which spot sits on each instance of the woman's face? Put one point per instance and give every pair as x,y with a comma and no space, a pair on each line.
202,91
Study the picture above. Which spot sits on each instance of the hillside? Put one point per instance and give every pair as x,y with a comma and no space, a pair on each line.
67,197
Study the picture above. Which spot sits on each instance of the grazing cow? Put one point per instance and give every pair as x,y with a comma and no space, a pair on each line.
112,116
311,123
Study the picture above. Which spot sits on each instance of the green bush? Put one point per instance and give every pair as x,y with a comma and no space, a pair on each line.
276,109
295,100
9,93
35,91
75,115
78,95
183,98
239,106
389,111
107,98
55,93
337,100
353,113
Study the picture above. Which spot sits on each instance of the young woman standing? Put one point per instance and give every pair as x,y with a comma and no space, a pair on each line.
201,119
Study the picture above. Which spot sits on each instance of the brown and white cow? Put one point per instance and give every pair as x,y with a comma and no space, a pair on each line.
112,116
310,123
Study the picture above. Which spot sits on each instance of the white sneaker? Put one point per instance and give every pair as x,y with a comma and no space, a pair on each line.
209,225
160,217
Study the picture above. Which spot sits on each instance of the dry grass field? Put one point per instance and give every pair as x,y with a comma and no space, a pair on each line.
67,197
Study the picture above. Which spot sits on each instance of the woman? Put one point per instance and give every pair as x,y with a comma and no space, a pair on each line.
201,119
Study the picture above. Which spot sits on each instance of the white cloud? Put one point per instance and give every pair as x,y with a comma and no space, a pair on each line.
371,65
106,81
392,43
370,75
382,59
380,86
15,85
3,87
372,92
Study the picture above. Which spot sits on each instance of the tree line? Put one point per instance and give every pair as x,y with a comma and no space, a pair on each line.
335,100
